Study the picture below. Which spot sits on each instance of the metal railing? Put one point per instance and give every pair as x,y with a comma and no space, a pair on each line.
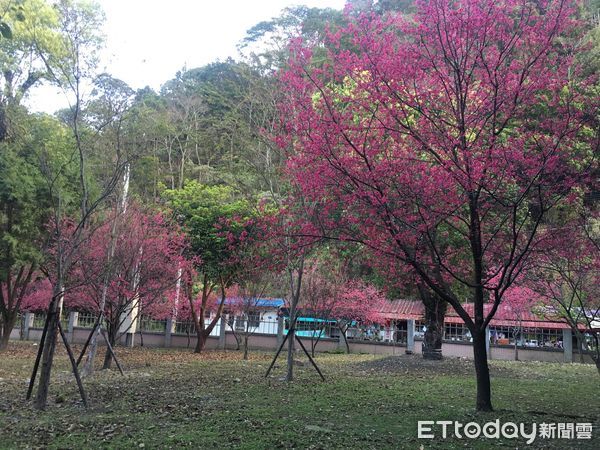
184,327
39,319
152,325
86,319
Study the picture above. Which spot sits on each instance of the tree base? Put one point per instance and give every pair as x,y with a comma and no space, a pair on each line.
433,355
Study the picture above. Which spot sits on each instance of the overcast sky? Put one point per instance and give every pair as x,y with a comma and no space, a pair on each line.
148,41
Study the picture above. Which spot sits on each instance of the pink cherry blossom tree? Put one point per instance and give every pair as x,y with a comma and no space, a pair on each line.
359,303
443,140
330,295
142,271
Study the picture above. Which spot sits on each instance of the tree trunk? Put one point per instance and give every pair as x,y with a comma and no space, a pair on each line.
290,355
246,347
11,302
482,371
22,329
237,340
88,368
7,323
435,312
201,342
517,336
49,347
3,123
343,331
295,285
6,329
107,359
112,338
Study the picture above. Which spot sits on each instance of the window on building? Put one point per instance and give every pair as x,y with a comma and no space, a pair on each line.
240,323
254,319
401,331
456,332
526,337
305,325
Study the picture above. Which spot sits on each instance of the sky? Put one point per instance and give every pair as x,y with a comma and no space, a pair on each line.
148,41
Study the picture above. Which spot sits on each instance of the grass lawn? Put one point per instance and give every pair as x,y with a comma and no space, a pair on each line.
174,399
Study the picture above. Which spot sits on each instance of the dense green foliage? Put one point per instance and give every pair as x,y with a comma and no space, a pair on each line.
208,214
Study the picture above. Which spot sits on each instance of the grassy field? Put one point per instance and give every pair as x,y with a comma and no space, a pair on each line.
175,399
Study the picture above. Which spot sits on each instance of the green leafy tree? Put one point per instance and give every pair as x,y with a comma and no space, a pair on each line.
25,207
266,43
31,43
214,218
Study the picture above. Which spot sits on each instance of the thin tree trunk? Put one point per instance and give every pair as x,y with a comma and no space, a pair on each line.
290,354
235,335
22,328
246,347
315,342
121,207
343,331
295,286
107,360
3,124
482,371
597,354
517,336
112,338
49,347
11,303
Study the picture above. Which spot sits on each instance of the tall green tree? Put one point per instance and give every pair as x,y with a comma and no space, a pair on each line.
43,142
266,43
214,218
28,53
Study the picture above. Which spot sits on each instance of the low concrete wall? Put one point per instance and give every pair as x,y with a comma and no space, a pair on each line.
15,334
268,342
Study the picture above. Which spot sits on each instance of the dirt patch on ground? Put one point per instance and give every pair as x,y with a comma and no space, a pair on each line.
416,365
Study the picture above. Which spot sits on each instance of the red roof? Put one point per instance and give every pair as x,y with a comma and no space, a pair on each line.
402,309
505,315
